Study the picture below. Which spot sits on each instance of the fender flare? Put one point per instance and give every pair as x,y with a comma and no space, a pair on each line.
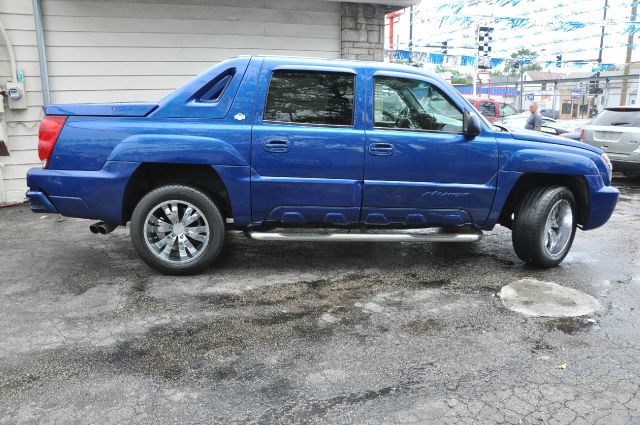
550,162
176,148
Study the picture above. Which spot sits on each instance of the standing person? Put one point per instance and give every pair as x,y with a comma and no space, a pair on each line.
534,122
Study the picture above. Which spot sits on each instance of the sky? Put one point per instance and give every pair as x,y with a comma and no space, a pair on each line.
567,27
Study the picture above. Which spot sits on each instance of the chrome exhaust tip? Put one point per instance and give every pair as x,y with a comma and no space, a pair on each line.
102,227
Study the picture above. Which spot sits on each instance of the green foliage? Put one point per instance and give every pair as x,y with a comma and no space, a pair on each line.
523,54
456,76
461,79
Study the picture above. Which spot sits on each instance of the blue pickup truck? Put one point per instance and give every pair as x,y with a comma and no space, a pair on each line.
300,149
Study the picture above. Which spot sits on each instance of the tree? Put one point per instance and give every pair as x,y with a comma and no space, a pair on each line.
456,76
523,54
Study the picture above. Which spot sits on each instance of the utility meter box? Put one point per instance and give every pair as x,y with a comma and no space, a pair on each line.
16,96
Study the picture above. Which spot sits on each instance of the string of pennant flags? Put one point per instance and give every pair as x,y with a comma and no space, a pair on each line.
458,16
397,55
457,6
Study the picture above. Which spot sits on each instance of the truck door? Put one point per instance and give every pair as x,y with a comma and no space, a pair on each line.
307,153
420,169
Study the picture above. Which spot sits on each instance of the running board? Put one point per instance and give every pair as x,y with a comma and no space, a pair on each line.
365,237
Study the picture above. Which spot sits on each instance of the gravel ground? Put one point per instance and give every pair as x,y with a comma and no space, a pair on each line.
313,333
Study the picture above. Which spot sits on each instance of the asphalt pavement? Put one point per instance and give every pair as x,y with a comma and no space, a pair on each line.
313,333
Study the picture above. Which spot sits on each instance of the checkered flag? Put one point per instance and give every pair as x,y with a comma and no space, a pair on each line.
484,47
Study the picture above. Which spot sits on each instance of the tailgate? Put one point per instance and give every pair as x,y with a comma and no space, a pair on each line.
620,140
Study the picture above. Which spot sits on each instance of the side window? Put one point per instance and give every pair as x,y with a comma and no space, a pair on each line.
412,104
488,109
310,97
213,91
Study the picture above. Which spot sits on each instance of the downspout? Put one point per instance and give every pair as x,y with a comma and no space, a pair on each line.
14,76
42,54
12,56
3,197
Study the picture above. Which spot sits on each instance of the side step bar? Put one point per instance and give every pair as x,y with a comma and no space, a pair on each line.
365,237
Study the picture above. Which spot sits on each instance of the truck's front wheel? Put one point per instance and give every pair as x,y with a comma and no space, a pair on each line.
544,226
177,229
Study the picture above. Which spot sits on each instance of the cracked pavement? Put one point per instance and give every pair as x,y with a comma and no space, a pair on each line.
313,333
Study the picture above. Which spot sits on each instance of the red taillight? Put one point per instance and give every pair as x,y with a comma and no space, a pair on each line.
582,134
50,128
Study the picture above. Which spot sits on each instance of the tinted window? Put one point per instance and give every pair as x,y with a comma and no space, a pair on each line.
618,118
310,98
487,109
412,104
214,90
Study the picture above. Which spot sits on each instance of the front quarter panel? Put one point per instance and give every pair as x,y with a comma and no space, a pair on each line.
519,157
531,160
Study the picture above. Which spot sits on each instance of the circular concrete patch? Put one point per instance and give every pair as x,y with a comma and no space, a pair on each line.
537,298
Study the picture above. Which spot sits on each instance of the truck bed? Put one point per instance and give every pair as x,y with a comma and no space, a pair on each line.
133,109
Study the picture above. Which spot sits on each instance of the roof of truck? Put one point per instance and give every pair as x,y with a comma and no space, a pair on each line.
384,66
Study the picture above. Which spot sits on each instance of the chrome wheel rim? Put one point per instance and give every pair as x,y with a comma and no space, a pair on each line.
558,228
176,232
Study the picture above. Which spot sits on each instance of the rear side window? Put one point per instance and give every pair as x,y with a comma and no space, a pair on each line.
487,109
619,118
213,91
309,97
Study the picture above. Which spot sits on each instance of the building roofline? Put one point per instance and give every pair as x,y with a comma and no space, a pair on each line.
392,5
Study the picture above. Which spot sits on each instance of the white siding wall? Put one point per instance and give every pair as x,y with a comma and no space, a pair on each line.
119,50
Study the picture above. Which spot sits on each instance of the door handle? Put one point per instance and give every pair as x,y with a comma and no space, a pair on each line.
277,146
381,149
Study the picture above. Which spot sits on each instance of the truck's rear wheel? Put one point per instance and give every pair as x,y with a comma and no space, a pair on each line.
177,229
545,225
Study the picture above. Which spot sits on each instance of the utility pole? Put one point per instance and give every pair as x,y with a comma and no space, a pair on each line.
627,60
604,18
411,29
521,85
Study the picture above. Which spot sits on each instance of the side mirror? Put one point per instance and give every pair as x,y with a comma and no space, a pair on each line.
470,125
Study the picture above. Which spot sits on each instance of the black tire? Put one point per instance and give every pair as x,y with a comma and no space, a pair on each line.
210,218
529,236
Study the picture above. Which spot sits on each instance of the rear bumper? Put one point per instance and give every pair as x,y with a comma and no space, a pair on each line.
40,202
602,202
625,165
83,194
625,162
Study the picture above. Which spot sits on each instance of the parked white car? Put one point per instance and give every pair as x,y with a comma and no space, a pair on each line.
617,132
518,121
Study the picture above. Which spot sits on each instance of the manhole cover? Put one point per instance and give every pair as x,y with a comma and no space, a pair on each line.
538,298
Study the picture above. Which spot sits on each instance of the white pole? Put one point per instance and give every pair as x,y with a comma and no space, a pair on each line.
475,66
475,75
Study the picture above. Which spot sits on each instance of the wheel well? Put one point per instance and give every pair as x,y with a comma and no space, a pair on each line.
151,175
576,184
